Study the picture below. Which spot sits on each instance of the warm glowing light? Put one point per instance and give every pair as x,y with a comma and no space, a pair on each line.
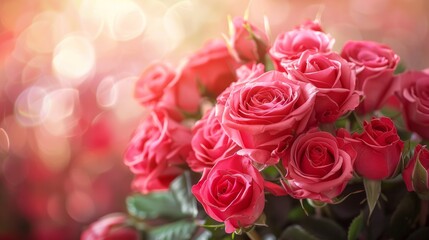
125,89
62,103
73,60
174,23
80,206
107,92
30,107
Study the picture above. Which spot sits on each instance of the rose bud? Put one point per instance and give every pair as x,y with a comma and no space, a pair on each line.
290,45
319,166
232,192
247,43
110,227
159,143
415,174
334,80
263,114
209,143
213,67
375,64
379,148
413,94
152,85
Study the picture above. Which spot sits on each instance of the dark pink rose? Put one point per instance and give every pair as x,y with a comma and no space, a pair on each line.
110,227
157,180
319,166
413,93
262,114
247,42
290,45
153,83
415,171
213,66
334,80
375,64
232,192
159,143
379,148
209,143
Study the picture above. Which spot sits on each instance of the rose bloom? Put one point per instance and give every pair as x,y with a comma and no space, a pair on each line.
213,67
232,192
110,227
209,143
379,148
159,143
334,79
247,42
263,114
319,166
375,64
153,82
414,183
414,96
290,45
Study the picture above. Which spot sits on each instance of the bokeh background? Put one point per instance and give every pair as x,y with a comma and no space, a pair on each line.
67,72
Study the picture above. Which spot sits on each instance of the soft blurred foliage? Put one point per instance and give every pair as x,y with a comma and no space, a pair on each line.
67,72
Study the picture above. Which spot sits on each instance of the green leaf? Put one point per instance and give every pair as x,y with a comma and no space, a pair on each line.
176,203
182,229
404,216
356,227
296,232
372,190
181,191
420,180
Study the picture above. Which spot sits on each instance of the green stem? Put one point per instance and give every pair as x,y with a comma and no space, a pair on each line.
253,235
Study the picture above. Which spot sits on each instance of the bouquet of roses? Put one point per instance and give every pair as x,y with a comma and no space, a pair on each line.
252,138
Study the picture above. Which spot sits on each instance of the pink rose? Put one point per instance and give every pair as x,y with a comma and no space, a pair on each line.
247,43
413,172
153,83
158,144
310,24
379,148
290,45
319,166
334,79
262,114
375,64
413,94
232,192
213,67
209,143
110,227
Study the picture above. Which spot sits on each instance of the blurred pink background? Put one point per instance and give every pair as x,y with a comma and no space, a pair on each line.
67,72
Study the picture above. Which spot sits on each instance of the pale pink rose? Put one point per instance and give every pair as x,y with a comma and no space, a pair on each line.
375,64
334,79
263,114
290,45
153,82
213,67
319,166
209,143
247,42
159,143
110,227
232,192
413,94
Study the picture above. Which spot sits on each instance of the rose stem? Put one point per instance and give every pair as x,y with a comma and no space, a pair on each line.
318,212
253,235
424,204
